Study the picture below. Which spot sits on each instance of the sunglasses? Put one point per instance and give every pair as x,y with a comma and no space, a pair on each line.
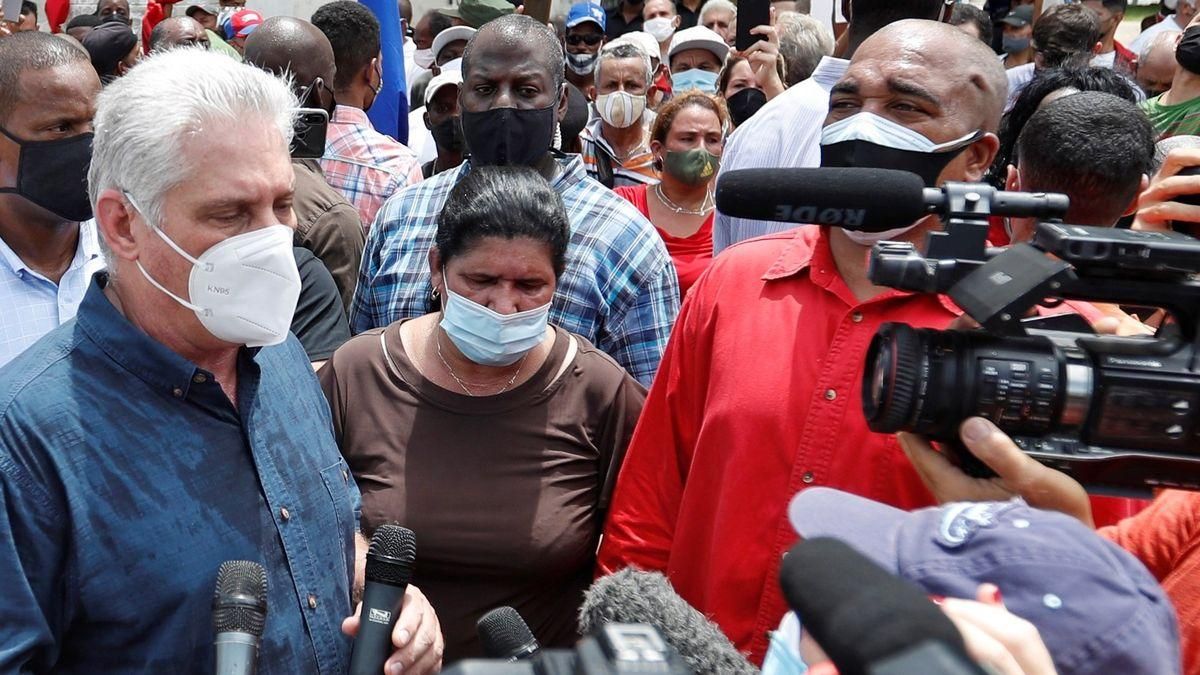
591,39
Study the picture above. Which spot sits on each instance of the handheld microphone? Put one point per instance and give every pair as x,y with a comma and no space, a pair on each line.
636,596
505,635
239,616
868,200
390,563
868,621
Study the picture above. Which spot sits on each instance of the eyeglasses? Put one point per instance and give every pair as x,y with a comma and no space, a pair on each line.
591,39
308,91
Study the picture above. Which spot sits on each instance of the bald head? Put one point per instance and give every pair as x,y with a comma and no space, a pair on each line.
1156,65
177,31
518,34
940,56
287,45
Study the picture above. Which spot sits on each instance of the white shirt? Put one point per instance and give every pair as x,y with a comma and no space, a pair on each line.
420,139
32,305
1167,25
1018,77
785,133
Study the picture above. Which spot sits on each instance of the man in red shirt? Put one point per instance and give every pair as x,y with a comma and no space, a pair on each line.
758,394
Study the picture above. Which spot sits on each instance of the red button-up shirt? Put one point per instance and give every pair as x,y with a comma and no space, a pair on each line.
758,396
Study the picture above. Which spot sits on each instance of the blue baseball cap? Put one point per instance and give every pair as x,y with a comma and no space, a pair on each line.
586,11
1097,608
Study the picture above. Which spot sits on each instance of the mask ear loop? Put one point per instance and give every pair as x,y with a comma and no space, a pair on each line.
153,282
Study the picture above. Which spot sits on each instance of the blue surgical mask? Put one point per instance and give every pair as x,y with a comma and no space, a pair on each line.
487,337
783,654
695,78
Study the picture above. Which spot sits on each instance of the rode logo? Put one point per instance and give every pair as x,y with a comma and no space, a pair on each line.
379,616
818,216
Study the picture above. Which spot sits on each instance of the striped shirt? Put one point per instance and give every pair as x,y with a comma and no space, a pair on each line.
364,165
619,289
638,169
32,304
785,133
1179,119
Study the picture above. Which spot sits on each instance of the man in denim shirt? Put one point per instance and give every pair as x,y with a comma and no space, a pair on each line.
174,424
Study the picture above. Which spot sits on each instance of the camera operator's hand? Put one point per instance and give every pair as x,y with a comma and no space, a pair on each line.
1017,474
997,638
1156,205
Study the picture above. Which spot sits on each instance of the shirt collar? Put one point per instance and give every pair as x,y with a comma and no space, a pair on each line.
344,114
145,357
570,172
86,250
829,71
809,250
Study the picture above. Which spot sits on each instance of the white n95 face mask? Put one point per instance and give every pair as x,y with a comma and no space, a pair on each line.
488,337
243,289
661,28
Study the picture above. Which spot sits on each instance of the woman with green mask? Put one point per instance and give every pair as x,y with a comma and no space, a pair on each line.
687,139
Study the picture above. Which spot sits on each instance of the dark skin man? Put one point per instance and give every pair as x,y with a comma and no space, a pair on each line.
178,31
444,106
107,8
48,104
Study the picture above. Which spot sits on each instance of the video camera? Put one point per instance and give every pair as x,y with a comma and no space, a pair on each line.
614,649
1117,413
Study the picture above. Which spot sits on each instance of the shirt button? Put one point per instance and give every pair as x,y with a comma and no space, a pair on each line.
199,378
312,601
284,513
808,477
177,392
856,317
830,394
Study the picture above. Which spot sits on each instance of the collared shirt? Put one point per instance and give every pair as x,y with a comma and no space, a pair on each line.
619,289
727,437
32,305
127,478
364,165
785,133
637,169
327,225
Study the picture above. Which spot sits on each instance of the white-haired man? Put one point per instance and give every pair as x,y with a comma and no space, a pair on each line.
616,143
175,424
720,16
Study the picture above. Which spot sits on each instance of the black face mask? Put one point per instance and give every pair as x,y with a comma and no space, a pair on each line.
927,165
448,135
745,103
53,174
1187,54
509,136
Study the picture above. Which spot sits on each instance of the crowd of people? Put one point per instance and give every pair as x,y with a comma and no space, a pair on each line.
238,321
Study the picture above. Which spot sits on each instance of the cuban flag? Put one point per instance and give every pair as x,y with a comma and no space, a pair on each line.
389,113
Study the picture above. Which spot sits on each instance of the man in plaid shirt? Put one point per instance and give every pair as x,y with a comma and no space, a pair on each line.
364,165
619,289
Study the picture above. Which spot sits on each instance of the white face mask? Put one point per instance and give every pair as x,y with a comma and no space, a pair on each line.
423,58
872,128
620,109
661,28
872,238
243,289
490,338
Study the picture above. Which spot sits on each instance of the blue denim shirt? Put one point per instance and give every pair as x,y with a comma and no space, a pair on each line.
127,478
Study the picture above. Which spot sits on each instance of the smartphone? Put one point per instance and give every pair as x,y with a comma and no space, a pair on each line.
308,141
751,13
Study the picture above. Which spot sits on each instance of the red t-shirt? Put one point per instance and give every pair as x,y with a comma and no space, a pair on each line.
757,397
1166,538
691,255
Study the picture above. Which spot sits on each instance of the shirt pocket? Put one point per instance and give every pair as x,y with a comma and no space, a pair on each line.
337,481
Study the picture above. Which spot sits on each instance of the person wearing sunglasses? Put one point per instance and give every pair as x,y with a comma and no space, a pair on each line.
582,41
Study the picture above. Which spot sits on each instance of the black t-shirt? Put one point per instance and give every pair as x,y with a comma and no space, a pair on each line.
616,25
320,321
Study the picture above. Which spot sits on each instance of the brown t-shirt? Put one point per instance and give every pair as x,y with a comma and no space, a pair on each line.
505,493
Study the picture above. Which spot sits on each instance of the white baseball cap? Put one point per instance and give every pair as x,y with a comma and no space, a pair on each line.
451,34
698,37
446,77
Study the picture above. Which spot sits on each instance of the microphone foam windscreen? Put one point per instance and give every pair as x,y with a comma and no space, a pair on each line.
636,596
871,200
504,634
240,598
392,555
857,611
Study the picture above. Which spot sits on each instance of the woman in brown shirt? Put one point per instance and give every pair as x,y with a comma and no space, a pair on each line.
494,437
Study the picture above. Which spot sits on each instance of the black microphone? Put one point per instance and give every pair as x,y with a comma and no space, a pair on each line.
505,635
390,563
869,200
868,621
239,616
636,596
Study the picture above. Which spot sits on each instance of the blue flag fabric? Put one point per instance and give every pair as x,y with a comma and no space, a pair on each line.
389,113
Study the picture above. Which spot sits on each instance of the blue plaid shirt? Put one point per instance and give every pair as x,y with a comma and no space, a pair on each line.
619,290
127,478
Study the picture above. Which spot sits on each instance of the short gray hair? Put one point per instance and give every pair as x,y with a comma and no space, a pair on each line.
1158,42
624,50
143,119
711,5
803,41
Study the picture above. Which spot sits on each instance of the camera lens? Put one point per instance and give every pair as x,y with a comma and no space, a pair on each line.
894,361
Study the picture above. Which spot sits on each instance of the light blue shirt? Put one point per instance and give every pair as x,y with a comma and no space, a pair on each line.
31,305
